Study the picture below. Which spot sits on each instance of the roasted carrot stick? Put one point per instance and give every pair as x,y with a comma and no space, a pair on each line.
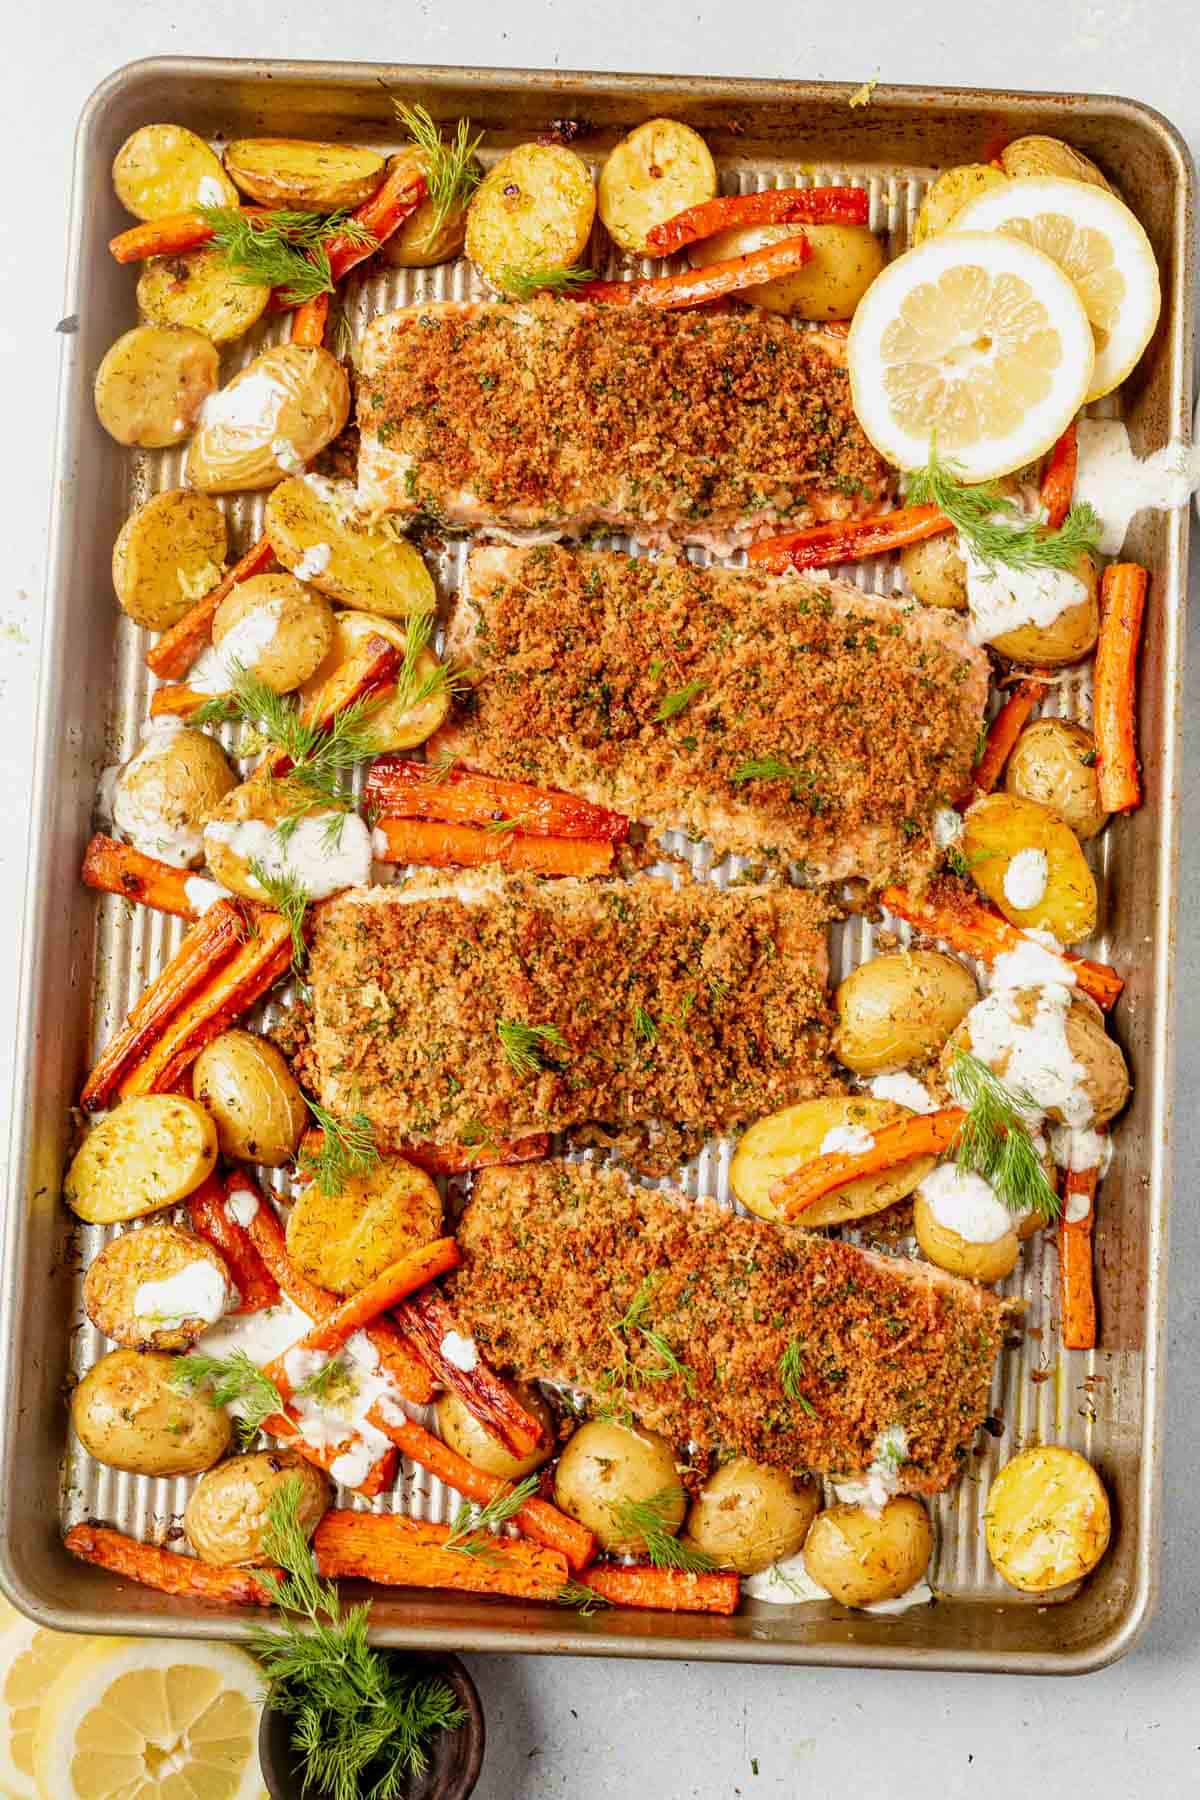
1002,736
404,789
364,675
458,1159
212,1220
396,199
1076,1283
177,649
1122,604
165,1570
428,1320
168,236
176,701
399,1552
396,1283
469,847
1058,477
849,540
777,206
693,287
116,868
309,321
924,1134
285,1427
666,1590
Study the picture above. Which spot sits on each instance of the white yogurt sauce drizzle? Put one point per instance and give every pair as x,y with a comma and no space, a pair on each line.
315,561
202,893
1003,599
948,827
309,858
198,1291
214,669
138,812
1025,878
1039,1059
964,1202
905,1090
853,1139
460,1351
1119,484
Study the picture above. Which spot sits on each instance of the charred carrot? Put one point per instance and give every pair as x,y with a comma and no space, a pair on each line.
211,1219
924,1134
169,235
364,675
166,1570
177,649
1002,736
665,1590
1122,605
777,206
849,540
442,846
459,1159
116,868
395,200
694,287
403,789
428,1321
1058,477
1076,1280
399,1552
309,321
396,1283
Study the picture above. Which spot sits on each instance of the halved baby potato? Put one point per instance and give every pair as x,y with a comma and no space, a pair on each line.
286,630
304,175
1036,156
165,169
463,1432
900,1009
532,211
845,261
1105,1078
159,1253
260,802
947,196
1054,763
862,1557
227,1521
778,1145
152,383
255,1100
606,1468
936,571
394,723
317,531
748,1515
1068,638
129,1414
168,554
147,1153
342,1241
197,288
996,829
661,168
984,1260
423,240
1048,1519
276,414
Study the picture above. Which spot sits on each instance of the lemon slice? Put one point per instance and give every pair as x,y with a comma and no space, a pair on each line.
1099,244
973,340
153,1720
30,1659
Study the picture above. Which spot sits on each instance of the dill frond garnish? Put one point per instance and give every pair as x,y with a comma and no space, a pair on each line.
412,687
290,898
320,755
347,1148
678,702
583,1599
341,336
644,1026
798,776
283,249
523,284
450,169
522,1043
472,1528
994,526
635,1323
647,1520
791,1374
230,1378
995,1141
437,768
325,1381
499,826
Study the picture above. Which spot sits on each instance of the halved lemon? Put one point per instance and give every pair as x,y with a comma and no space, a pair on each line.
151,1719
30,1659
1099,244
975,341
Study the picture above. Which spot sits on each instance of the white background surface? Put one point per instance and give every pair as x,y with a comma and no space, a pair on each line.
581,1728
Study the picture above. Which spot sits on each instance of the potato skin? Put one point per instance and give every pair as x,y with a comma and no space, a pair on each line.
1033,156
369,566
463,1432
947,196
949,1250
147,1153
226,1518
1106,1075
995,828
253,1097
294,394
197,288
128,1416
417,245
534,210
606,1465
747,1516
166,169
1048,1519
152,383
266,801
395,724
861,1559
165,554
304,174
343,1241
153,1254
1054,763
166,791
1067,639
936,571
900,1009
845,261
786,1140
658,170
303,628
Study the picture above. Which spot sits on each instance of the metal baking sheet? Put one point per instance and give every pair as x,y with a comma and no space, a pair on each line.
85,960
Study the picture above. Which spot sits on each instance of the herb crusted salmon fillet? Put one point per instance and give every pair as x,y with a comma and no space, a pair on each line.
698,426
891,1361
459,1008
789,715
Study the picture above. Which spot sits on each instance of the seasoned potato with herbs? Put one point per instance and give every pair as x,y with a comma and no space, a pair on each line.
660,169
463,1432
317,532
1048,1519
147,1153
303,175
988,1251
156,1289
778,1145
276,628
606,1476
152,383
342,1241
1030,865
266,802
1067,639
747,1516
947,196
168,554
254,1099
276,414
845,261
128,1415
425,240
197,288
532,212
165,169
936,571
1105,1073
164,794
1032,156
226,1518
861,1558
1054,763
900,1009
396,724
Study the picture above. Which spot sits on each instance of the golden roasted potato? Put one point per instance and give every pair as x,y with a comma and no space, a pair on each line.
276,414
747,1516
963,1227
226,1518
197,288
861,1559
900,1009
533,211
661,168
463,1432
1048,1519
1054,763
156,1289
254,1099
165,792
947,196
276,628
936,571
317,532
1105,1078
845,261
1000,828
785,1141
395,723
423,241
127,1414
1067,639
261,802
303,175
152,383
168,554
343,1241
147,1153
165,169
1033,156
608,1468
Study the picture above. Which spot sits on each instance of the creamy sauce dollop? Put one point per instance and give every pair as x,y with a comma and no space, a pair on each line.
309,857
964,1202
1119,484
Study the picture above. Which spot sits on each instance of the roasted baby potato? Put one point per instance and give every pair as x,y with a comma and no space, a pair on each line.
253,1097
936,571
845,261
423,240
605,1469
947,196
302,175
127,1414
165,792
166,169
226,1518
125,1298
862,1559
747,1516
463,1432
152,383
266,802
197,288
533,211
343,1241
661,168
975,1258
317,532
147,1153
278,629
168,554
785,1141
277,413
1048,1519
900,1009
1033,156
1067,639
996,829
396,724
1105,1074
1054,763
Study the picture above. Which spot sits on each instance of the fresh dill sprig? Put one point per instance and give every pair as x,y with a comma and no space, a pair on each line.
290,898
498,827
438,768
413,687
583,1599
475,1134
320,755
791,1373
678,702
995,527
635,1322
450,169
994,1141
647,1520
283,249
776,768
324,1381
472,1528
522,1043
341,335
347,1148
644,1026
523,284
230,1378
